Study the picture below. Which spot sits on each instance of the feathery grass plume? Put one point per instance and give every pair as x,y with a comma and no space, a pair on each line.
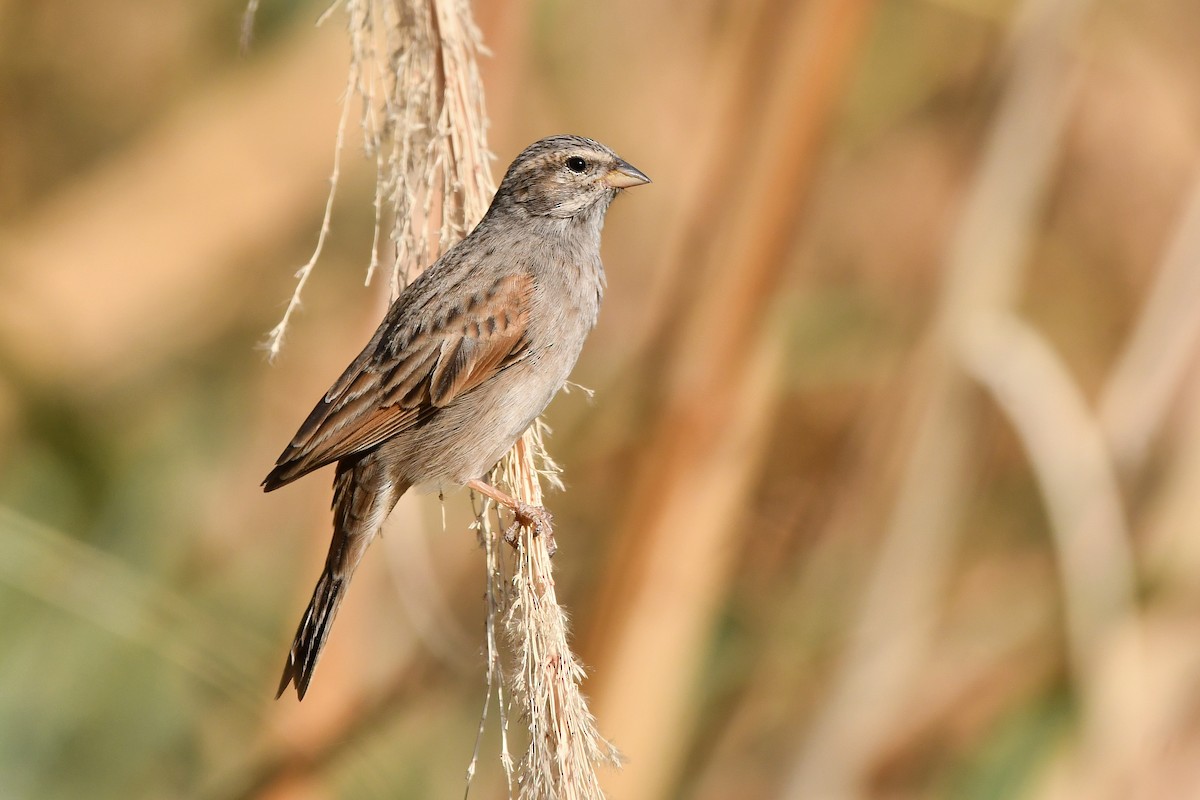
565,746
395,73
414,68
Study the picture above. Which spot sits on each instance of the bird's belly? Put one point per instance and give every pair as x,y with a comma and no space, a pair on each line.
465,439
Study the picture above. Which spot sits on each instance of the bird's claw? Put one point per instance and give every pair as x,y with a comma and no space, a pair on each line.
536,518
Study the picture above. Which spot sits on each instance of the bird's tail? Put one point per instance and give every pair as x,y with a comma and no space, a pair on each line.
313,630
362,499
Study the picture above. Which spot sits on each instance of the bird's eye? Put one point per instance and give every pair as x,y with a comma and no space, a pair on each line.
576,164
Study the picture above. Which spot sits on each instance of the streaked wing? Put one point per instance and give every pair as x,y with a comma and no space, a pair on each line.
407,373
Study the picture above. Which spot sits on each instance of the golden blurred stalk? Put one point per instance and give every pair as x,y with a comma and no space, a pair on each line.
674,555
975,335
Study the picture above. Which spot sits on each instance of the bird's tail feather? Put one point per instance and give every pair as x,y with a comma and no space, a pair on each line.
363,496
311,635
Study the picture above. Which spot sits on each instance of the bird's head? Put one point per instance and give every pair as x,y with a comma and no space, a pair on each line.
566,177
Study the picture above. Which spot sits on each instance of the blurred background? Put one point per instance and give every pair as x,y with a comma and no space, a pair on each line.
886,490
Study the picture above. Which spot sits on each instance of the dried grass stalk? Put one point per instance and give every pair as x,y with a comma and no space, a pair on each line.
414,70
984,270
565,745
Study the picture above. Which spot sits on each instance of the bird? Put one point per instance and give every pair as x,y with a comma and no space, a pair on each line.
466,357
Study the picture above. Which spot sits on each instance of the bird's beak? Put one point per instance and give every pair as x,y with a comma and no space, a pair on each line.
624,175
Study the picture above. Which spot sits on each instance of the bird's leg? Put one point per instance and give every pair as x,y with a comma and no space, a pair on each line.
525,515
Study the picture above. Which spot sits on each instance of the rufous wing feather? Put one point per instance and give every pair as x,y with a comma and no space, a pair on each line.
386,390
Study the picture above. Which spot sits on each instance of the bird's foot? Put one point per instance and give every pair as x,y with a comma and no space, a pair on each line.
537,519
525,515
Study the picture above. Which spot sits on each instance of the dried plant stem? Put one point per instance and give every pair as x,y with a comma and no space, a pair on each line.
565,747
496,591
1078,480
247,34
1156,359
414,67
983,274
275,338
659,606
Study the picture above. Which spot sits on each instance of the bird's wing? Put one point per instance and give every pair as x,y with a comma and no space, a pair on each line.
408,372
